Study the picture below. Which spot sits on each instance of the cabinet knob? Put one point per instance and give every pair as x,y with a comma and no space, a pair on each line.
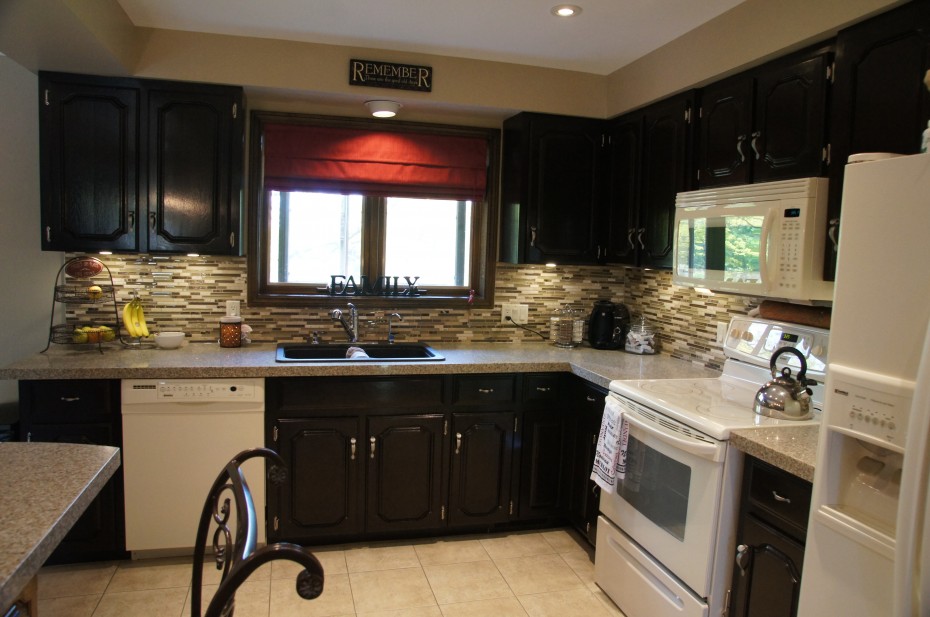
372,442
352,446
458,443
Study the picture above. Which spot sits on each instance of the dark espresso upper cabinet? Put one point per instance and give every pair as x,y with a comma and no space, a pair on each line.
140,165
880,103
551,189
650,162
194,168
767,124
89,144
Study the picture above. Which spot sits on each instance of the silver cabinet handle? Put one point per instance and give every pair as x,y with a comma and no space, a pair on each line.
832,231
533,236
778,497
152,221
48,233
371,448
629,237
132,221
739,148
590,398
754,143
352,443
542,389
486,390
70,399
639,237
742,557
458,443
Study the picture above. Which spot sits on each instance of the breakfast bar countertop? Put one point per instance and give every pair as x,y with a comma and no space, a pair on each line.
44,488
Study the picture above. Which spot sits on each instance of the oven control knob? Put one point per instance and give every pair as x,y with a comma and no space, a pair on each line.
747,336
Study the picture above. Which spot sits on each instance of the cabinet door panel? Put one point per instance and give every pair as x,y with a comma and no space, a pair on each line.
89,151
99,532
481,468
879,101
189,171
545,469
321,494
726,127
769,583
666,161
626,143
405,471
790,121
564,206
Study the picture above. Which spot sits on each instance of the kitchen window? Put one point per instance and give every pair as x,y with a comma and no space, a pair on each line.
373,213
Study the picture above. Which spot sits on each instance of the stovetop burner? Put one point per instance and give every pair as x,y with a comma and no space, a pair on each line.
715,406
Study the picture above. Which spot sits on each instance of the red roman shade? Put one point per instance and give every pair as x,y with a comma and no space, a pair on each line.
386,163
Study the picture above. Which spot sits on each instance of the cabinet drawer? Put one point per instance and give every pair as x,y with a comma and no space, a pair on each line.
542,389
780,493
484,389
69,401
294,395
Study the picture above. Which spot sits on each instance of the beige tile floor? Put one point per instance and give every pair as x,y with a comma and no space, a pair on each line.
525,574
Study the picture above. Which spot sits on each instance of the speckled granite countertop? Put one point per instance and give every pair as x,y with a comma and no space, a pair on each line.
44,488
792,448
208,360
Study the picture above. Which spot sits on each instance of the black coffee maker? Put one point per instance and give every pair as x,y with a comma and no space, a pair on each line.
608,325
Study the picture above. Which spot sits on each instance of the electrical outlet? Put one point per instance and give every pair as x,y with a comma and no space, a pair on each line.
519,313
721,332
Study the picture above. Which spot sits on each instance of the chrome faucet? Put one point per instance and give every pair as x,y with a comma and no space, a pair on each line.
391,326
350,328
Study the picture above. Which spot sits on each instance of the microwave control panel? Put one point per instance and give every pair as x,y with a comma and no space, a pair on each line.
790,257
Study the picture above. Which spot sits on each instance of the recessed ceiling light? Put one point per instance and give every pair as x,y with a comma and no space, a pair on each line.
383,109
566,10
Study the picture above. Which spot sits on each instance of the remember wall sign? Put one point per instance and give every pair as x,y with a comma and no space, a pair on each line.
390,75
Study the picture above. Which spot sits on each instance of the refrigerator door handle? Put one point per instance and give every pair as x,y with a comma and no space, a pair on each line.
912,540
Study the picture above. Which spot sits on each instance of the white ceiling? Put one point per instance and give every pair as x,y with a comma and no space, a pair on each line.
606,36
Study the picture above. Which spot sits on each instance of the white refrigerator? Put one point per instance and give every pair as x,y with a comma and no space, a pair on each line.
868,530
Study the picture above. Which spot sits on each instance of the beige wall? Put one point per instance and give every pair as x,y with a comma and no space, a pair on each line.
750,33
306,77
27,274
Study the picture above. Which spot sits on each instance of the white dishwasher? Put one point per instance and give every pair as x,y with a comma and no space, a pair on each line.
177,436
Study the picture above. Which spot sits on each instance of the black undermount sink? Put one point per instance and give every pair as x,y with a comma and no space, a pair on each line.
376,352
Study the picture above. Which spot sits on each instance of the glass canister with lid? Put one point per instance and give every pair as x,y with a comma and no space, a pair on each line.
641,338
566,327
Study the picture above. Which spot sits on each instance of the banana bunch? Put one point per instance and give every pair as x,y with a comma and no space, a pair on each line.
134,319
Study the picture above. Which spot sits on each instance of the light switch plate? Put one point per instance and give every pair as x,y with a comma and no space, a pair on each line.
721,332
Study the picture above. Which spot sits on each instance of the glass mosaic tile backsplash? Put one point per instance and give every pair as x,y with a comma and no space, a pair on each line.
190,294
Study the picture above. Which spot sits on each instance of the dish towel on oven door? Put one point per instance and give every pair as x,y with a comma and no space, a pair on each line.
610,454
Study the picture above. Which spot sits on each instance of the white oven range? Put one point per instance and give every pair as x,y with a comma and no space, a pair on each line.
666,535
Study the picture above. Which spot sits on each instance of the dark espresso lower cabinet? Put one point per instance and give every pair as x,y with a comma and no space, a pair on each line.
770,542
85,412
481,468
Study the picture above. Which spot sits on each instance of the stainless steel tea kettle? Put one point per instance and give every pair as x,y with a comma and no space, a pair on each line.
784,397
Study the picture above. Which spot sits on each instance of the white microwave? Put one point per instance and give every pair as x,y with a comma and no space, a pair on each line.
762,240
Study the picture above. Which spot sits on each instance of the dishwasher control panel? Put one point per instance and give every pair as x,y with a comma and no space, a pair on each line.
139,391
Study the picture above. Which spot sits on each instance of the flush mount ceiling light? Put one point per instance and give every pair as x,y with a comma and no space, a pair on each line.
566,10
383,109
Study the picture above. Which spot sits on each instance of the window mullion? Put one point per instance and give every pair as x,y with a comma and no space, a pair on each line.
373,230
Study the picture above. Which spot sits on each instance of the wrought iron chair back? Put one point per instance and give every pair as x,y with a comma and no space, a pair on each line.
235,552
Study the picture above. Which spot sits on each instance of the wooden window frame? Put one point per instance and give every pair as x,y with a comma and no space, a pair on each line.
261,292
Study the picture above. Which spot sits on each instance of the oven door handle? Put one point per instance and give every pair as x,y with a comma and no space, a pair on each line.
709,451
